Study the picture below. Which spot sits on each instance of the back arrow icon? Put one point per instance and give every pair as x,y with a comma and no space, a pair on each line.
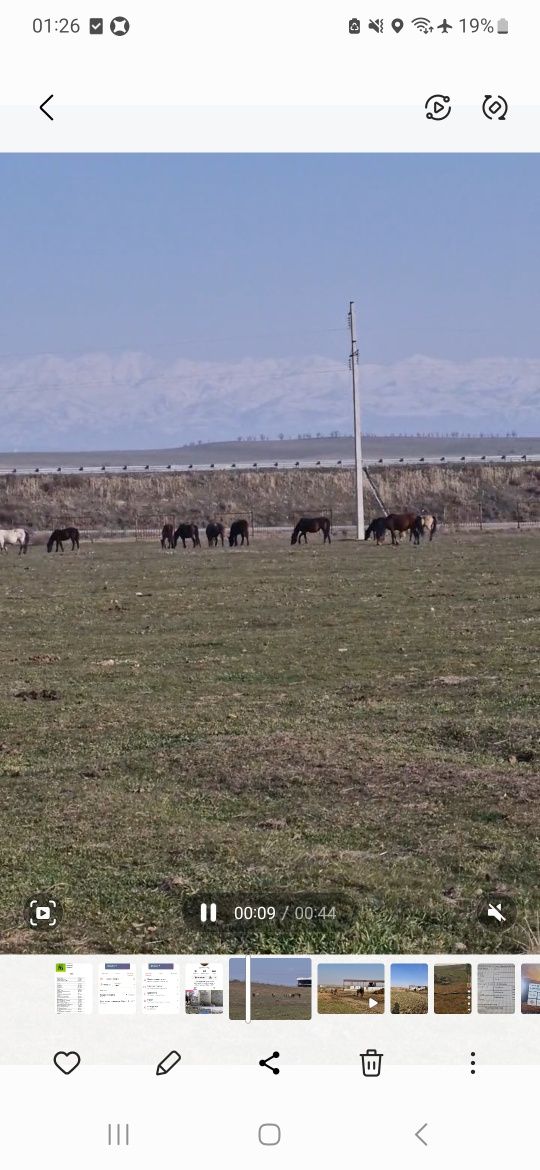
44,111
419,1131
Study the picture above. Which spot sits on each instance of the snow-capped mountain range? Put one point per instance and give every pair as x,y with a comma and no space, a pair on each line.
98,400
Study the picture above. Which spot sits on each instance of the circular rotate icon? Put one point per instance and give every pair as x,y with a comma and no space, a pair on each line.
120,26
495,107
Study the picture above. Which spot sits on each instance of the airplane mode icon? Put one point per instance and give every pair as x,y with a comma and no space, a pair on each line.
445,26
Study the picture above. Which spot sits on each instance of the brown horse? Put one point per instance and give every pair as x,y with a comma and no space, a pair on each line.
398,522
311,524
214,532
167,536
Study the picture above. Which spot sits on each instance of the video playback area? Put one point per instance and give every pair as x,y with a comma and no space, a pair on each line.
269,545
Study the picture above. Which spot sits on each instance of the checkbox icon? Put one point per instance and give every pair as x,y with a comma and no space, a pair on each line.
96,26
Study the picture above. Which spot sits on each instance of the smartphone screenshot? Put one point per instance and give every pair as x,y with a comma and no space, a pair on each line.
269,584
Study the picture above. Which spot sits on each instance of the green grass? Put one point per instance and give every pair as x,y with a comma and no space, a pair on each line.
272,719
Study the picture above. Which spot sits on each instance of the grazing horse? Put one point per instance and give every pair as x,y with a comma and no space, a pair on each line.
239,528
167,536
429,524
61,534
311,524
377,529
18,536
398,522
187,532
215,532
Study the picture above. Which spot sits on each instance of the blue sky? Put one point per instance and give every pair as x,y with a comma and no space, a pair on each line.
405,974
285,971
330,974
226,256
205,297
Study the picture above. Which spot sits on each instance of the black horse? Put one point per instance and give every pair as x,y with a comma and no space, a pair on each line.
59,535
239,529
377,529
187,532
311,524
214,532
167,536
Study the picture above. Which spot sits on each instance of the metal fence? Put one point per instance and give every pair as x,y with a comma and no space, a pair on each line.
342,524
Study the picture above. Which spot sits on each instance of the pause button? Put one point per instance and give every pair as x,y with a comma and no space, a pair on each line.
118,1134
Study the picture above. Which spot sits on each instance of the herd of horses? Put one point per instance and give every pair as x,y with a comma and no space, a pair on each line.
215,532
396,523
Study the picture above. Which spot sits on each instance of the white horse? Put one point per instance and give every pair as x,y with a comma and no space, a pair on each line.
18,536
429,524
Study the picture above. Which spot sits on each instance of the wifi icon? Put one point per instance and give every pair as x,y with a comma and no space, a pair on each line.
423,24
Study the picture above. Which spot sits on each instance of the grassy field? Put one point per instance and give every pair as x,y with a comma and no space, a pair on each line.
453,989
348,1003
237,999
408,1002
276,1001
266,719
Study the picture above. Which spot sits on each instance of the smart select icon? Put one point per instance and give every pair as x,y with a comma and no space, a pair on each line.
42,912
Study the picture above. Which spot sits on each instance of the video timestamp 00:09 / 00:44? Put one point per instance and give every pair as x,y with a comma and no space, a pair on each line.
281,913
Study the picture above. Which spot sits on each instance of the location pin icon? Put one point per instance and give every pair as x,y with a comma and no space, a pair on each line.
397,25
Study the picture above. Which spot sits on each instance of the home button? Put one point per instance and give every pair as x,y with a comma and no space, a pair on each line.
269,1134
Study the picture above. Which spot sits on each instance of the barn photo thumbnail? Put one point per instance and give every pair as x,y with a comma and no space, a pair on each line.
350,988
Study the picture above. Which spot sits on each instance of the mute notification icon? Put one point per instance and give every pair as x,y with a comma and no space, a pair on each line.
497,911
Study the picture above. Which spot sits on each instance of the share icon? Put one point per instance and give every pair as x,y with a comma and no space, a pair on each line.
266,1063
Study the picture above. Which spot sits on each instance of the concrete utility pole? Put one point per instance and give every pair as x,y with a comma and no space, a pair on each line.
353,362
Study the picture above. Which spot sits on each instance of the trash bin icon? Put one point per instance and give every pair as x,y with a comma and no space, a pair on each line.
371,1062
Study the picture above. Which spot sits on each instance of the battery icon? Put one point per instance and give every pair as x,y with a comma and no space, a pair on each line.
208,913
502,26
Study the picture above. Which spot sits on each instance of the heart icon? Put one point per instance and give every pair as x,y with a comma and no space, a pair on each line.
67,1062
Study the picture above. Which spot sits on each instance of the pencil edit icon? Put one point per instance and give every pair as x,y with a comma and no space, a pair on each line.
169,1061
